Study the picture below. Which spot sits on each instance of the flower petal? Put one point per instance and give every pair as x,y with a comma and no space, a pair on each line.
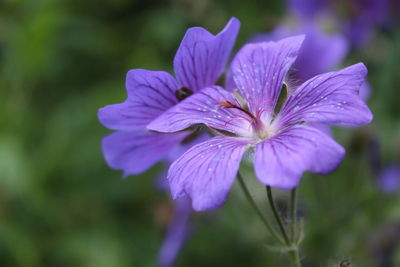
206,171
331,98
203,107
149,94
322,127
281,160
136,151
259,71
201,57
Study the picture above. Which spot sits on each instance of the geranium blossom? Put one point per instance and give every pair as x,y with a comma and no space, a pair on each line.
257,115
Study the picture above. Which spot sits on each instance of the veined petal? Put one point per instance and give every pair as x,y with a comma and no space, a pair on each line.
202,56
149,94
203,107
331,98
136,151
281,160
206,171
259,71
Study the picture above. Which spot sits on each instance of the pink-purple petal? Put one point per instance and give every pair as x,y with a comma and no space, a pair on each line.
259,71
281,160
202,56
330,98
206,171
136,151
149,94
203,107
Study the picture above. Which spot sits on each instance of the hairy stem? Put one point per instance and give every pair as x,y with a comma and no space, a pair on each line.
277,217
295,258
292,247
293,219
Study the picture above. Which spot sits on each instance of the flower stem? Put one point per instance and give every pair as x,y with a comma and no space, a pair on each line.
295,257
257,210
292,247
293,219
277,217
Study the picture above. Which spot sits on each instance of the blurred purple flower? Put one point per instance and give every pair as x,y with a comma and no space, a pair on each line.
308,9
199,62
178,230
364,16
389,179
357,18
256,116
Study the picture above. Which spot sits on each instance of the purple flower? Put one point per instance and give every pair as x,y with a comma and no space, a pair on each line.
364,16
389,179
255,117
199,62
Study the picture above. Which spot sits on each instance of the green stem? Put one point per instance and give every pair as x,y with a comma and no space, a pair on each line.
277,217
292,247
293,208
295,257
257,210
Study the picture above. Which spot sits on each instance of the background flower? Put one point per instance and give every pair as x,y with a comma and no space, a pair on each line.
389,179
358,19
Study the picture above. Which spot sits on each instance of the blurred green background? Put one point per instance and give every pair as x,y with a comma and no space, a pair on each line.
61,205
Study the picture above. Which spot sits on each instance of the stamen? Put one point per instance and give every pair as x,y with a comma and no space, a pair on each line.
228,104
